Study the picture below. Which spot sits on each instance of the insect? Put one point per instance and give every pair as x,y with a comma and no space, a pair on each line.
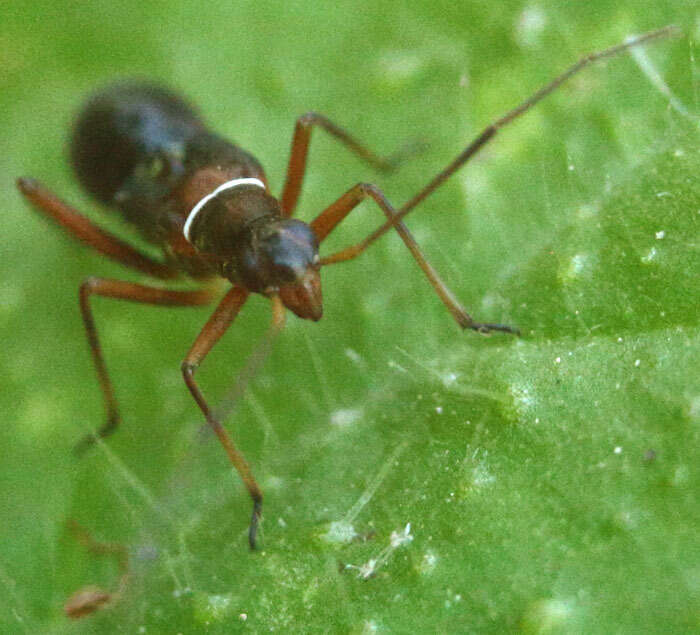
205,203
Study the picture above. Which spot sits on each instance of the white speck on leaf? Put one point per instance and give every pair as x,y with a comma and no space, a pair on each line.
650,256
428,562
340,532
531,22
346,417
398,538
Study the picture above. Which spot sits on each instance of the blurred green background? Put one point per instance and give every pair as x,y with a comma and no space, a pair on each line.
550,482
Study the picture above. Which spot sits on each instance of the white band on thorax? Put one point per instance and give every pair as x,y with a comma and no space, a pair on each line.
204,200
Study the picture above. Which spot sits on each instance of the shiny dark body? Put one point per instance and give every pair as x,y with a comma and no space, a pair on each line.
133,145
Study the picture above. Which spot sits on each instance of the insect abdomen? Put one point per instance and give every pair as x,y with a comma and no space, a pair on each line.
124,128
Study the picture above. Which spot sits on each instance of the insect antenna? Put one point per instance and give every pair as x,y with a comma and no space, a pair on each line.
490,131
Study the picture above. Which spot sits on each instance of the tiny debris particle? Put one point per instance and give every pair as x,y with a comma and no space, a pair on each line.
557,360
428,562
577,265
353,355
368,569
218,605
339,532
660,235
438,409
637,362
243,617
650,255
401,538
617,450
398,538
449,379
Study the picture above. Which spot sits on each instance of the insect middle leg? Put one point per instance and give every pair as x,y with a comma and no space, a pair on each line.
332,216
213,330
300,148
135,293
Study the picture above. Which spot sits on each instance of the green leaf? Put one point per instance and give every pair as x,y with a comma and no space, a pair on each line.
417,478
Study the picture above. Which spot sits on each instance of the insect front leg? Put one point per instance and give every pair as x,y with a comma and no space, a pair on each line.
334,214
213,330
134,293
329,218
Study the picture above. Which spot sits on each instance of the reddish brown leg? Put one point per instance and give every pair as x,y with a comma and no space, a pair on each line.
331,217
300,147
135,293
213,330
87,232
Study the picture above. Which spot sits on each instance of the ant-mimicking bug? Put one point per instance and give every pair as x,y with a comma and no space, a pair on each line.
205,202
